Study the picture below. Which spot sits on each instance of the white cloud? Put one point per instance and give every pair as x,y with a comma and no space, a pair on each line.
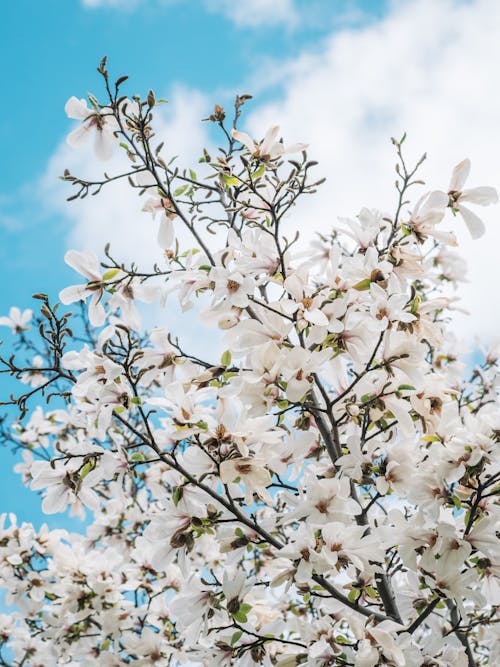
244,14
430,67
257,12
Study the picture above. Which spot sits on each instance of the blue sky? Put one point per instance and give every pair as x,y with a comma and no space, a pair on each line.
342,75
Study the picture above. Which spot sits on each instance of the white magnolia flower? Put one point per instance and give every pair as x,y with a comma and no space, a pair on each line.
101,122
270,148
87,264
253,475
62,485
17,319
34,377
482,196
429,211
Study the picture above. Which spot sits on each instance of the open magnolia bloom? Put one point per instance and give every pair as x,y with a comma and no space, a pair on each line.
482,196
300,472
270,148
252,473
87,264
17,320
99,122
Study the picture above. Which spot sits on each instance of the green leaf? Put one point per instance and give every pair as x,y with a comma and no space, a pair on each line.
192,175
235,637
109,275
363,285
431,438
225,359
88,467
177,495
341,640
181,190
260,172
406,387
354,594
240,617
137,456
229,179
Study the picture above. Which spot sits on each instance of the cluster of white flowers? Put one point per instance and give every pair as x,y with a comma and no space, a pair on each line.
324,494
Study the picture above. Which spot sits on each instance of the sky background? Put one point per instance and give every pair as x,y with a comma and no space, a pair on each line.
341,75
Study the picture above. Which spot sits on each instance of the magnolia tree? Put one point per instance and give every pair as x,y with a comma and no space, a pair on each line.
323,493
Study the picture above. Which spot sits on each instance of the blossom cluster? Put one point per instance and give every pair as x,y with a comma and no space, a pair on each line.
324,493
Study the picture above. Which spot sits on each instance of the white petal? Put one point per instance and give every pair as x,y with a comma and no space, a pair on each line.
79,136
97,314
85,263
165,233
89,498
296,148
270,140
459,176
77,109
243,138
103,144
296,389
130,314
316,316
26,316
448,238
436,199
73,293
227,472
400,409
55,500
483,195
474,224
15,314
